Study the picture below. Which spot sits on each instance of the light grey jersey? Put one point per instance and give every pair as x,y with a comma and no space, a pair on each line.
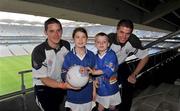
123,52
47,62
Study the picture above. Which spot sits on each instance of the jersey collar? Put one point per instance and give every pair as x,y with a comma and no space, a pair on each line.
60,44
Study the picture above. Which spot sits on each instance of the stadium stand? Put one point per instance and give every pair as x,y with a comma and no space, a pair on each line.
21,39
20,30
17,50
4,51
28,48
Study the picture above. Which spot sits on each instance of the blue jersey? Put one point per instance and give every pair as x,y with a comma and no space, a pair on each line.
84,95
107,82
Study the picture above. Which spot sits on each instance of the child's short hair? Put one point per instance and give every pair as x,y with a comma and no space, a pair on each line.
79,29
101,34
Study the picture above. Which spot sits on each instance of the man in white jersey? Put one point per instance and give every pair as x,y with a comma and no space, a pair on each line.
47,60
124,43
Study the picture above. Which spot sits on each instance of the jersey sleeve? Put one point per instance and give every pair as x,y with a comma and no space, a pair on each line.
65,67
65,44
112,38
39,65
135,42
141,53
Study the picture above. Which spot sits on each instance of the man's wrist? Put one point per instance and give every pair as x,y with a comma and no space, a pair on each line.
134,75
62,85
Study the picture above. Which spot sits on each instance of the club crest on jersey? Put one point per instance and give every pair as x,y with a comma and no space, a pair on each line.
113,80
126,51
49,62
110,65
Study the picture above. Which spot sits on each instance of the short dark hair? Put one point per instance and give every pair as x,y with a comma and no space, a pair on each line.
102,34
79,29
126,23
51,21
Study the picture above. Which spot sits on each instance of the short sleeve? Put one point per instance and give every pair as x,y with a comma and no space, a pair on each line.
39,66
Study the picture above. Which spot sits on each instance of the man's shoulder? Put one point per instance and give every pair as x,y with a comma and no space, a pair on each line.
65,44
64,41
38,55
113,38
135,41
40,47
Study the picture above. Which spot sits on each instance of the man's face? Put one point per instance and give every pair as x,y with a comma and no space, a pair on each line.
54,33
123,34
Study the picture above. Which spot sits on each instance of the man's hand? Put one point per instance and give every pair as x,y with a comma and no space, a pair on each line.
132,79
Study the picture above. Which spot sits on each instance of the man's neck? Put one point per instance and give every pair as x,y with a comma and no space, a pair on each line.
52,45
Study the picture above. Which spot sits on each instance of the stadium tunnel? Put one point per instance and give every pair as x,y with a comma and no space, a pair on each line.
158,85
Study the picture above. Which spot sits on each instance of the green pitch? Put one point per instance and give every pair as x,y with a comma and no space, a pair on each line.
10,80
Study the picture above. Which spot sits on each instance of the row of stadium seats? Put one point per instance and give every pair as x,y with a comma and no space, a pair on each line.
19,30
26,49
23,30
15,50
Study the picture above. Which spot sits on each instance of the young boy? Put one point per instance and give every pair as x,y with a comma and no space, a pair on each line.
108,95
80,100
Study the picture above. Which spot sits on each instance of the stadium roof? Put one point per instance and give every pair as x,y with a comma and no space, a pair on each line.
25,19
159,14
154,15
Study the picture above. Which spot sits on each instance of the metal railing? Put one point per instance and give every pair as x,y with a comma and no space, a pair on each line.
23,88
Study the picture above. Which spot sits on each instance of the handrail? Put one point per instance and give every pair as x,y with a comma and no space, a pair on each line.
161,39
23,88
158,64
25,71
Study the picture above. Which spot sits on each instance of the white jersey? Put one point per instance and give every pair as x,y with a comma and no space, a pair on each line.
47,62
123,52
131,47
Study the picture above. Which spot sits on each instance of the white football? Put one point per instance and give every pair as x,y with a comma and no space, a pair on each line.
75,78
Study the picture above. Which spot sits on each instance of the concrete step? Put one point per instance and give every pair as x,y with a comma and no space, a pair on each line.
167,106
158,98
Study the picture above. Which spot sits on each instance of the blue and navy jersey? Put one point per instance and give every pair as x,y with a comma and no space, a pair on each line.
84,95
107,82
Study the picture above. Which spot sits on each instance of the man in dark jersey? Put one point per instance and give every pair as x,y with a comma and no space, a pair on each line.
47,59
124,43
